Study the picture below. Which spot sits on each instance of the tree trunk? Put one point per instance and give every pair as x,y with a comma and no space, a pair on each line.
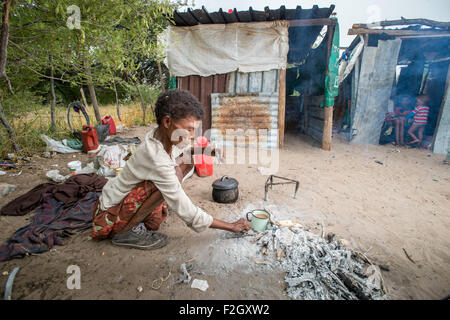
83,97
142,104
3,56
94,103
92,94
4,43
11,134
161,77
52,91
117,102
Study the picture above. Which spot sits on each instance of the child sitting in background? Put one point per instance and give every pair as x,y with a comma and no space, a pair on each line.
421,113
399,118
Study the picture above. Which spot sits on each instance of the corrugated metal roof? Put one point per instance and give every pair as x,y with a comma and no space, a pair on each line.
202,16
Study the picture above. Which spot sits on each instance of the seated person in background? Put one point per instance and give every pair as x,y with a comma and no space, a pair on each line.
399,118
421,113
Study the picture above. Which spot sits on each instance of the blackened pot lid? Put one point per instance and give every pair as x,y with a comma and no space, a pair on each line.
225,183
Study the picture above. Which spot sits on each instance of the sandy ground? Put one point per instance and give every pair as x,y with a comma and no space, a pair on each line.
380,209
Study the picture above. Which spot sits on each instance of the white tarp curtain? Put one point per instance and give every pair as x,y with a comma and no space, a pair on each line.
210,49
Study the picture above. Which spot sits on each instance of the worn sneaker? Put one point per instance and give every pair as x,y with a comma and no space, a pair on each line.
141,238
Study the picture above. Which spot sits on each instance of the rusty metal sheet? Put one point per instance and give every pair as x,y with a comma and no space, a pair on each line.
248,112
201,88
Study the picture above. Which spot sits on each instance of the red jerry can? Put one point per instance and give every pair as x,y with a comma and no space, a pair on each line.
112,126
203,163
89,139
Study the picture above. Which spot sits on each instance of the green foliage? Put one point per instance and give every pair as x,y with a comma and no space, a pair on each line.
22,101
149,93
96,42
112,42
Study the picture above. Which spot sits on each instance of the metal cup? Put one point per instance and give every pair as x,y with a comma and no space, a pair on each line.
259,224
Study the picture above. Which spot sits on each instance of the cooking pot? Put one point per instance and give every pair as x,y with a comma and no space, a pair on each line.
225,190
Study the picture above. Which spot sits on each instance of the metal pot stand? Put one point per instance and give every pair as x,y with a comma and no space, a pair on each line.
270,183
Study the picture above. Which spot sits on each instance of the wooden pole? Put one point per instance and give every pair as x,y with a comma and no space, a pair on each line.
328,111
327,128
353,32
312,22
403,21
281,107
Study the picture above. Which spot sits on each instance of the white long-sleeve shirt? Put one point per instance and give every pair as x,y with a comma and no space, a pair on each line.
151,162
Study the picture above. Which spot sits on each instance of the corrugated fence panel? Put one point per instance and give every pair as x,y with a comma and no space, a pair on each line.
255,82
266,82
201,88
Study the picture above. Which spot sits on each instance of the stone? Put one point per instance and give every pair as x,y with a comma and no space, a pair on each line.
200,284
6,189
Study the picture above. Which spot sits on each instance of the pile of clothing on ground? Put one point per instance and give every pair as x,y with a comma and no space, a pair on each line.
60,210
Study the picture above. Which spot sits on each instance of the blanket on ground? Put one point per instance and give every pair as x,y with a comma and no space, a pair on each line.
61,210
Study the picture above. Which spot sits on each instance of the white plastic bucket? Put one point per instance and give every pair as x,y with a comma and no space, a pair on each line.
74,166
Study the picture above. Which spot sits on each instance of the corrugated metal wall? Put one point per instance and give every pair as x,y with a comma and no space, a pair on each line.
251,103
374,90
267,82
235,82
442,136
248,112
201,88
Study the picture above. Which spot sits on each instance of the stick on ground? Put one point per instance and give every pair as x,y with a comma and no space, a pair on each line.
407,255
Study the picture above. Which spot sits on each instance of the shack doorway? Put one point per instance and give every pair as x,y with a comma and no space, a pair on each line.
421,71
387,77
305,80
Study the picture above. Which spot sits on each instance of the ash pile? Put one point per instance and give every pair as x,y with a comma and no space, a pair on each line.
319,269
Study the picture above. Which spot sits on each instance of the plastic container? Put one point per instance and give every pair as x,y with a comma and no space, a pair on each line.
74,166
203,163
89,139
112,126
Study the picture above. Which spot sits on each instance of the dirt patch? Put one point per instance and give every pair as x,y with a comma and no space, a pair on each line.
382,210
